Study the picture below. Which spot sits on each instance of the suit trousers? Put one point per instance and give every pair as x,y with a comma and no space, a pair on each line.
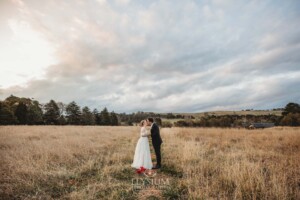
157,153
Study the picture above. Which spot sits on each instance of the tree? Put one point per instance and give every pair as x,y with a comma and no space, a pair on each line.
170,116
291,108
97,117
158,121
167,124
105,119
73,113
62,108
225,121
7,116
213,122
291,119
21,113
35,114
51,115
62,120
114,119
291,115
181,123
87,117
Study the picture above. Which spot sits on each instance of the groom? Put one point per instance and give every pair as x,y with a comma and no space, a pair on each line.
156,141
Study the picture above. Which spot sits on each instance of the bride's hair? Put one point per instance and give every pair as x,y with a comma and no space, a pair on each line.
142,122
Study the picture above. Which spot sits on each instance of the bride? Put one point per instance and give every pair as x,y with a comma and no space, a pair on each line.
142,156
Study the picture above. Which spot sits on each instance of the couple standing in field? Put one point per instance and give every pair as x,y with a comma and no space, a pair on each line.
142,156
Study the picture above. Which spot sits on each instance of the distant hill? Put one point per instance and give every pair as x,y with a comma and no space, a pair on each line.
276,112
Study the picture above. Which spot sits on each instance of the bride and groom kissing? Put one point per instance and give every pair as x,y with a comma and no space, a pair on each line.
142,155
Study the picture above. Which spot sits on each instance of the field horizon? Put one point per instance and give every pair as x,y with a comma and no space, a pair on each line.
92,162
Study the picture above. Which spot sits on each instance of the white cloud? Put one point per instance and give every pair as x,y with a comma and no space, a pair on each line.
158,55
25,56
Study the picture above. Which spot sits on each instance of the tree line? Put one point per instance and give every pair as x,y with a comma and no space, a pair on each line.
290,117
26,111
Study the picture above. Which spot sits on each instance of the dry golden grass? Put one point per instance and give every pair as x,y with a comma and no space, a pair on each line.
74,162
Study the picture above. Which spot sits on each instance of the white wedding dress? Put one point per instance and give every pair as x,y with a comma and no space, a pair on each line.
142,156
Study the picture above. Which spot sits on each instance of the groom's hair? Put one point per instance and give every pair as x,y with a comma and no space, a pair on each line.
150,119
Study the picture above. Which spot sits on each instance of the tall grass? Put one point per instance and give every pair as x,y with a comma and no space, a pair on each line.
75,162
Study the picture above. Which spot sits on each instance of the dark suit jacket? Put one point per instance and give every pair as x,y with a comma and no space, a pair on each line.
155,135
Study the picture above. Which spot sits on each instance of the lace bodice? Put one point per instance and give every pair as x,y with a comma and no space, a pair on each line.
144,132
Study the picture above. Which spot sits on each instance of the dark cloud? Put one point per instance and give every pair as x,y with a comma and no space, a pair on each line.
166,55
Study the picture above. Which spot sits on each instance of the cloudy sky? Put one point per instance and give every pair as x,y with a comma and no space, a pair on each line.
130,55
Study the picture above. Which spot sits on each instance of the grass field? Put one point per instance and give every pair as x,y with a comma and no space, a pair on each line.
75,162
